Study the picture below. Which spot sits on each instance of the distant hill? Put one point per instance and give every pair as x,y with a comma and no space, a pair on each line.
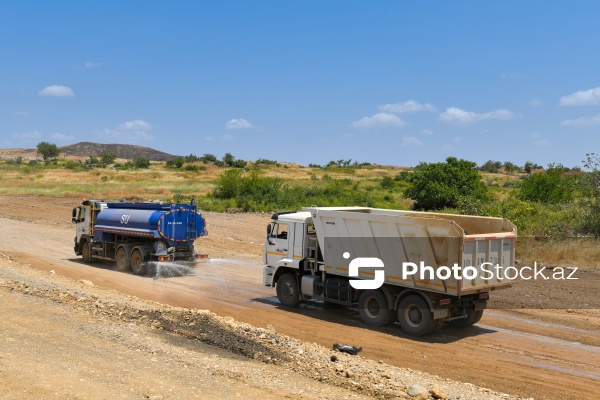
127,151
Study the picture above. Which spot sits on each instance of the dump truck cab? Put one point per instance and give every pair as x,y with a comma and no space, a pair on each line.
286,243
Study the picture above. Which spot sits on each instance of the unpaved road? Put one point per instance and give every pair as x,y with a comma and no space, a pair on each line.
545,354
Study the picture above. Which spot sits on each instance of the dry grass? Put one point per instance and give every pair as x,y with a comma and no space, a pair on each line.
155,182
581,252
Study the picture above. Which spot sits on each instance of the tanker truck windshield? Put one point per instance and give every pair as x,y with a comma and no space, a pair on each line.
136,234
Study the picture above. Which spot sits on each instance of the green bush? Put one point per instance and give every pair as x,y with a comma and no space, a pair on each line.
552,186
441,185
141,162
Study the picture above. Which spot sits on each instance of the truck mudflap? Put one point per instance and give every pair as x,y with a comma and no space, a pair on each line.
268,273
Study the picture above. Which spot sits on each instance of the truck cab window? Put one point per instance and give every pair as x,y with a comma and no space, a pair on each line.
279,231
81,216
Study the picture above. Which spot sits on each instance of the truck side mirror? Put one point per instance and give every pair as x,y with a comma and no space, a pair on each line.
74,218
269,228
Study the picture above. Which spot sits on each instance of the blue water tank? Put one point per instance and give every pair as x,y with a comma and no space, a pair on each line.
178,224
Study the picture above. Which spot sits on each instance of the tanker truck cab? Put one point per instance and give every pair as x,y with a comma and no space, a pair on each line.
84,217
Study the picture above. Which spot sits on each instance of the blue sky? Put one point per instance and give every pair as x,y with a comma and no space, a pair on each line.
389,82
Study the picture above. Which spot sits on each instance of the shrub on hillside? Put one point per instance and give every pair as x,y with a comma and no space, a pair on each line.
441,185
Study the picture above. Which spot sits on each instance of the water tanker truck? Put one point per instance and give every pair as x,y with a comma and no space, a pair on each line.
134,233
420,269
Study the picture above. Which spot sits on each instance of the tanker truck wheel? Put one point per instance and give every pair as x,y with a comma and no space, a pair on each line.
288,291
122,260
137,262
415,317
86,252
373,308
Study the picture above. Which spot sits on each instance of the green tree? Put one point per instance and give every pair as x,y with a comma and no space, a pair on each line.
552,186
48,151
208,158
228,159
108,158
141,162
510,167
489,166
590,191
440,185
176,162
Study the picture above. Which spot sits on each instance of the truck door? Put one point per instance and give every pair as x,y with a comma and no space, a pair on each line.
81,219
277,244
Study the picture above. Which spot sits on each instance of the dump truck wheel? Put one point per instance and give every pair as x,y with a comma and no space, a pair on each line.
415,316
287,290
86,252
122,260
373,308
137,262
473,316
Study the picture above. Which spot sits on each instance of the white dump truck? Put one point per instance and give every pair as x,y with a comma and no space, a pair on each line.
418,268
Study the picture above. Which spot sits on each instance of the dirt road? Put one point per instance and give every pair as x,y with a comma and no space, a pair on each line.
540,353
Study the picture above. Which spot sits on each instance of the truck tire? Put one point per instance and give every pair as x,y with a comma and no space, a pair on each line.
373,308
473,316
123,262
86,252
478,315
288,291
137,262
415,317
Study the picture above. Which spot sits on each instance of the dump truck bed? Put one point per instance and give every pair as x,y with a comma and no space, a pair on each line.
426,239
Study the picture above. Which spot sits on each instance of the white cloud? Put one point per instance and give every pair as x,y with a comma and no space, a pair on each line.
426,132
539,141
383,120
238,123
136,125
579,122
582,98
535,103
22,113
209,138
136,130
227,138
406,107
457,139
457,115
542,143
63,137
29,136
90,64
411,141
448,148
57,91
